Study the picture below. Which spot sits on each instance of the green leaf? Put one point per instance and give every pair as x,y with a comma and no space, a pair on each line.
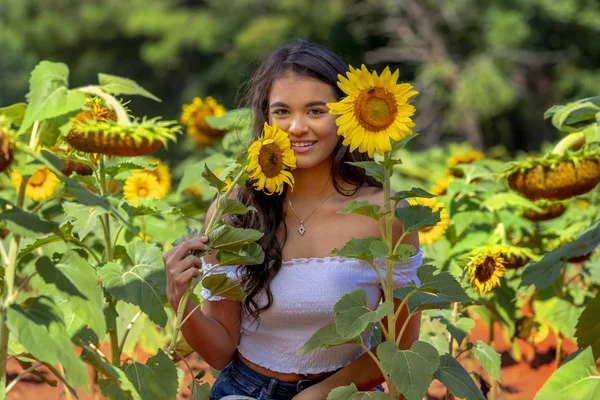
65,231
458,331
14,113
249,254
48,95
378,248
576,378
587,330
84,218
499,201
233,119
372,168
232,206
116,166
412,370
117,85
199,391
488,358
143,285
357,248
38,325
228,238
212,179
470,219
363,208
156,380
150,207
352,316
325,338
416,217
402,143
560,314
408,194
112,373
456,379
592,133
443,285
352,393
222,285
545,271
403,252
420,301
27,224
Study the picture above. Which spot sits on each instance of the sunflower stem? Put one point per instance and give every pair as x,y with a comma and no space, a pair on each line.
568,141
190,288
9,275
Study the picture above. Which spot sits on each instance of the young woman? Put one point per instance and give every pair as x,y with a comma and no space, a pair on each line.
292,294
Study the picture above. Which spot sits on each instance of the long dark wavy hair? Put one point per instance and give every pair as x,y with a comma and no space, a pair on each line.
311,60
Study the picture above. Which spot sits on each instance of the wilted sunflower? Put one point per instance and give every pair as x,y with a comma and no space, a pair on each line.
486,269
6,155
462,159
440,188
141,185
550,210
269,156
432,234
375,110
40,185
194,118
70,166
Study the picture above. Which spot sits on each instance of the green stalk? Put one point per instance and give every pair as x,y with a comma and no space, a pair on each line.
190,288
9,274
567,142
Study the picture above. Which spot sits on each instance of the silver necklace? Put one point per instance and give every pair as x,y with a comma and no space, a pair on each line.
301,228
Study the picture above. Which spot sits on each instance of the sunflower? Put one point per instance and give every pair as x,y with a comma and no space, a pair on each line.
269,156
550,210
195,190
432,234
40,185
141,185
440,188
487,268
163,177
462,159
375,110
193,117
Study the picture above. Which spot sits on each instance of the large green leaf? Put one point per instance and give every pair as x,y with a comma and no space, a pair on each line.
587,330
403,142
212,179
325,338
352,316
38,325
412,370
233,119
363,208
416,217
576,378
14,113
560,314
228,238
544,272
156,380
117,85
456,379
112,373
470,219
249,254
460,329
352,393
48,95
221,285
80,297
489,359
118,166
26,224
232,206
199,390
357,248
372,168
84,218
408,194
443,285
499,201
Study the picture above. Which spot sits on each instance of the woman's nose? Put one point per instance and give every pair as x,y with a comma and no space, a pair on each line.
298,127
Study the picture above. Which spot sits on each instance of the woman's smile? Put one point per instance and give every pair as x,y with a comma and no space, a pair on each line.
303,147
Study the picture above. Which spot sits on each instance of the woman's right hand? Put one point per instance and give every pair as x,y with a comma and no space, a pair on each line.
180,269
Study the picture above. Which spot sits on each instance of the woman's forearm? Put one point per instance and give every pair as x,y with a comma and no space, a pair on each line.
208,337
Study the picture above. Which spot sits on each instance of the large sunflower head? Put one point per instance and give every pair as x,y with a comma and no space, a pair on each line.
40,185
269,157
374,111
486,269
141,184
432,234
194,118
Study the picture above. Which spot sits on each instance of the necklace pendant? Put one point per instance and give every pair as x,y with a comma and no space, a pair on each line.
301,229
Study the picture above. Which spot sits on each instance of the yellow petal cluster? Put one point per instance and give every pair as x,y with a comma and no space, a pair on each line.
40,185
374,111
271,157
194,118
141,185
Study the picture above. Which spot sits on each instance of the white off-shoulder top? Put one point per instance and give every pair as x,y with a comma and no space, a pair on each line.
304,293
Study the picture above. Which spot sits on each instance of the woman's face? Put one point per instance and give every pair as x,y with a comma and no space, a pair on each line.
297,104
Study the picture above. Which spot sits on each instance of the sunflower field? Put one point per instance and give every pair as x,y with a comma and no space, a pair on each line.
87,211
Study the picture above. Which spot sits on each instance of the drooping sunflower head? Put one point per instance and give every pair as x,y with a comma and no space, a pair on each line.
271,157
6,154
432,234
194,118
440,188
486,269
141,184
550,210
40,185
374,111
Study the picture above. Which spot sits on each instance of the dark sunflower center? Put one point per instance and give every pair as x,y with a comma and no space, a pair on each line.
142,191
270,160
486,269
38,178
376,109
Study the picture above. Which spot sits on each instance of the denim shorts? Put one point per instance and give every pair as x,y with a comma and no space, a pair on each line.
239,379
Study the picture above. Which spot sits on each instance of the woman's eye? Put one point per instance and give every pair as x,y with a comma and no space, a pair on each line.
279,112
316,111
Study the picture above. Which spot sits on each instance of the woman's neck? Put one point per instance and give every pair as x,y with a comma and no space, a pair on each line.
313,182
